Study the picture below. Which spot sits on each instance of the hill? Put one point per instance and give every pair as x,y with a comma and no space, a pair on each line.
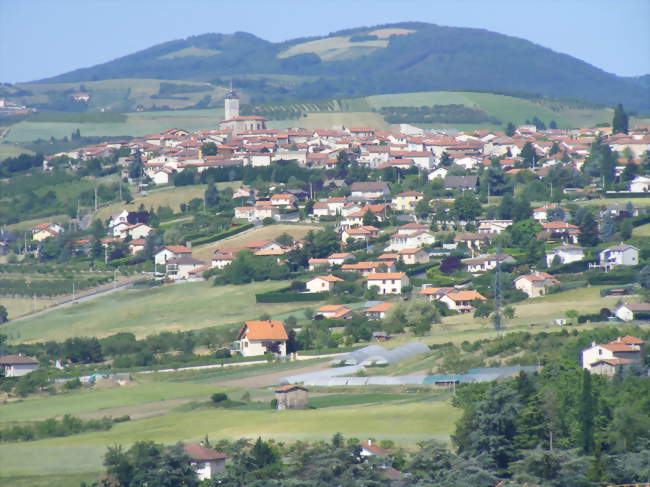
372,60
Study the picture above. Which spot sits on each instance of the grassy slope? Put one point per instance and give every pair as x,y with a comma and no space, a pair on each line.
148,311
22,306
404,423
269,232
642,231
10,150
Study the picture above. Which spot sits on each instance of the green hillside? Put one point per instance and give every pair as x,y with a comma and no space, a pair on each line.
404,57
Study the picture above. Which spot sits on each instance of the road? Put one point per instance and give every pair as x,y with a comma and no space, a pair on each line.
87,295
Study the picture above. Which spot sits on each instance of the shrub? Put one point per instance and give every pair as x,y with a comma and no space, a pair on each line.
218,397
72,384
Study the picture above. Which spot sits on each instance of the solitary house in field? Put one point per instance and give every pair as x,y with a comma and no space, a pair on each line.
292,397
260,337
18,365
206,461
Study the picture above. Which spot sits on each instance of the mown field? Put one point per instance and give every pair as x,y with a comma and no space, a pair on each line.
147,311
267,232
21,306
642,231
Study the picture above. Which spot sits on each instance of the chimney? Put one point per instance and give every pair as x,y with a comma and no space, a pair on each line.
593,344
188,244
369,442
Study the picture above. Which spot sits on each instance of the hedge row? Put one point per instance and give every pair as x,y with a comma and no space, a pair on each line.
285,296
222,235
623,276
637,221
573,267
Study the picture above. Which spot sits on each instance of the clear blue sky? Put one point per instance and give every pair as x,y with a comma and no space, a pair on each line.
40,38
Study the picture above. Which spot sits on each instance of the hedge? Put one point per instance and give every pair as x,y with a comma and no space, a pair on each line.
573,267
222,235
284,296
418,268
637,221
623,276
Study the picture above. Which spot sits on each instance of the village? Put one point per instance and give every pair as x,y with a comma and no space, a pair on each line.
376,240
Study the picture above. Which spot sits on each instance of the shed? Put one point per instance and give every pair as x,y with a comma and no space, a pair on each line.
292,397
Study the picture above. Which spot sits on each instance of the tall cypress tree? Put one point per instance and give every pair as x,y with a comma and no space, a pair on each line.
586,410
620,123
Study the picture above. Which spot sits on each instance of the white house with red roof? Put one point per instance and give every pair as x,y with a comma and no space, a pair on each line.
260,337
387,282
206,461
334,312
378,311
461,300
322,284
606,359
633,311
169,252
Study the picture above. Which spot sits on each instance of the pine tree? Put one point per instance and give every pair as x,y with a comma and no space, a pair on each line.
589,231
528,154
620,122
510,129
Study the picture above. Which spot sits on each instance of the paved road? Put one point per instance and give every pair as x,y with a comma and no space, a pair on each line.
87,296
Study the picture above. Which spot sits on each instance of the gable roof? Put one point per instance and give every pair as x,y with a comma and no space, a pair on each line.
376,276
200,452
17,360
263,330
177,249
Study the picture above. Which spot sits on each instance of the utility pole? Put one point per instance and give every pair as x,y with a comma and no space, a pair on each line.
95,198
73,298
114,278
497,294
25,251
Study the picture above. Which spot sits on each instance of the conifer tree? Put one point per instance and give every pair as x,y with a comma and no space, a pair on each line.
620,122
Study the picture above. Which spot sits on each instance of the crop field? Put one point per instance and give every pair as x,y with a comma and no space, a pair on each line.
11,150
642,231
136,124
148,311
335,48
268,232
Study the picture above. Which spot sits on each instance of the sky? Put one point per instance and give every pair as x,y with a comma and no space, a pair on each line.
41,38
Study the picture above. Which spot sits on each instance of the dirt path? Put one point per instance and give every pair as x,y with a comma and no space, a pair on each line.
271,379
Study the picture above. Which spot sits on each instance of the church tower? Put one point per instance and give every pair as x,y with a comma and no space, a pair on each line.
231,103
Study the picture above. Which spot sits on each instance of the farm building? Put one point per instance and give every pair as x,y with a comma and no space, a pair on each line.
292,397
17,365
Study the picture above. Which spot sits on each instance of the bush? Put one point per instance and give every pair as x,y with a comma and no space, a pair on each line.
284,296
274,404
222,353
72,384
218,397
222,235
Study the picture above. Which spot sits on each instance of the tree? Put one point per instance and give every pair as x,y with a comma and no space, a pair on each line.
285,240
552,125
211,196
521,209
467,207
505,207
586,408
370,219
630,172
528,154
209,149
556,214
4,316
510,129
450,264
589,231
620,122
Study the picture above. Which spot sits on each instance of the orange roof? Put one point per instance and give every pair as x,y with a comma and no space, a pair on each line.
619,347
340,255
329,278
328,308
410,251
630,340
178,249
385,306
465,296
263,330
385,275
434,290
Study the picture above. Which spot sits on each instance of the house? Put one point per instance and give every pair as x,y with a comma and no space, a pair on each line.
379,311
283,200
461,301
388,282
640,184
366,268
172,252
182,267
206,461
493,226
260,337
339,258
618,255
561,230
535,284
607,359
137,231
334,312
263,245
364,233
414,256
322,284
435,293
46,230
541,214
369,449
137,245
315,263
406,201
369,191
292,397
222,258
17,365
473,241
486,262
565,254
463,183
629,312
400,241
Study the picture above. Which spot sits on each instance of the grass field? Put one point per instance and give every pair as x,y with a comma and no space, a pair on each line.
168,196
268,232
136,124
335,48
406,424
21,306
642,231
642,202
11,150
147,311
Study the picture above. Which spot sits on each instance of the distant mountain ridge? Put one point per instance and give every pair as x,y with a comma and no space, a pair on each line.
391,58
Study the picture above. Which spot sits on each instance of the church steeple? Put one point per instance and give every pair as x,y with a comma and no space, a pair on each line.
231,104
